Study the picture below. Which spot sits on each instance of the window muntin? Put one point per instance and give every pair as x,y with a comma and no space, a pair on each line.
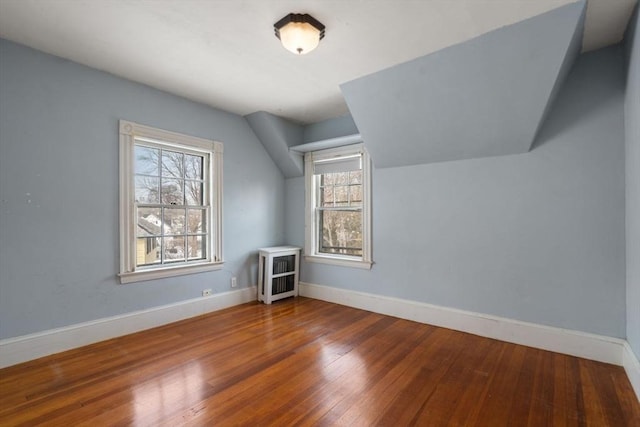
339,211
338,206
170,203
171,209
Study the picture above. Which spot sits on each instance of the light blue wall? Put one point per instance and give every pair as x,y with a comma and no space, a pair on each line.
294,211
537,236
59,192
632,124
331,128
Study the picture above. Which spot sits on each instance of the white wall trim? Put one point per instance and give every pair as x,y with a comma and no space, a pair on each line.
575,343
311,180
133,133
32,346
325,144
632,367
566,341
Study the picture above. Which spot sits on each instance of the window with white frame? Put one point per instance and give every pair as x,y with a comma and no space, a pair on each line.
170,203
338,205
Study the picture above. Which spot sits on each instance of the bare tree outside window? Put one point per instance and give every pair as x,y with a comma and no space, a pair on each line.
340,213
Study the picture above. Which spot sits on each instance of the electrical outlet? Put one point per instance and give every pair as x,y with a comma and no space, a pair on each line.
234,282
206,292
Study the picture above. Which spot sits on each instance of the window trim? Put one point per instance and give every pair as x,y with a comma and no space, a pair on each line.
129,131
310,224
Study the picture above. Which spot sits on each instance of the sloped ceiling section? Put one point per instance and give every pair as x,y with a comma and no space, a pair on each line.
277,135
572,54
484,97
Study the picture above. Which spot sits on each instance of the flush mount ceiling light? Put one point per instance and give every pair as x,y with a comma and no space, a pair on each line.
299,33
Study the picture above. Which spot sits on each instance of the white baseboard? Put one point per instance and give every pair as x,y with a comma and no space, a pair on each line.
575,343
32,346
632,367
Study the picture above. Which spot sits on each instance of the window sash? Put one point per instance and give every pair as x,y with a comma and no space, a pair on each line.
321,248
203,205
184,234
339,208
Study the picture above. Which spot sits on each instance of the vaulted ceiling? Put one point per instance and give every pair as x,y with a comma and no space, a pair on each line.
223,52
423,81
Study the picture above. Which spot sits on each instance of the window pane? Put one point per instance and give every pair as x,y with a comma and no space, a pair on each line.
147,189
355,177
172,164
356,195
197,247
174,249
340,178
149,222
172,191
196,224
193,195
193,166
147,160
341,232
174,221
147,251
327,179
327,197
341,193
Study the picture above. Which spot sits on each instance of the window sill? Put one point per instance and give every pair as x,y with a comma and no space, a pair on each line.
161,273
343,262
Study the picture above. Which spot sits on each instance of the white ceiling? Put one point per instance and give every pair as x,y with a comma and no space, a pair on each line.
223,52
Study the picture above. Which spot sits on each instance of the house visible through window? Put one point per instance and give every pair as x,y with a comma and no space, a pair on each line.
338,204
170,203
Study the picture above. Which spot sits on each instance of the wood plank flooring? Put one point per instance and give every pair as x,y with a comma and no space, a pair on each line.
307,362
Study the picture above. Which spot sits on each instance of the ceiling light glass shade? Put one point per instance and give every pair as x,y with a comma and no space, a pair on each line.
299,38
299,34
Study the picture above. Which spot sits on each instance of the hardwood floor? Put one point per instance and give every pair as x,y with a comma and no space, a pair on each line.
307,362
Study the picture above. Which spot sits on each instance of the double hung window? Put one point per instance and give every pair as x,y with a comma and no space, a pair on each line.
338,206
170,203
